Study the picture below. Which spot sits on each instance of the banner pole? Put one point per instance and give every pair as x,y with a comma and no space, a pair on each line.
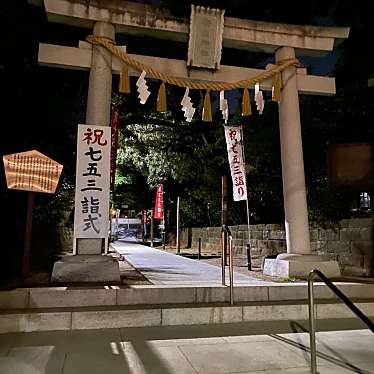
246,201
178,228
151,229
234,140
27,238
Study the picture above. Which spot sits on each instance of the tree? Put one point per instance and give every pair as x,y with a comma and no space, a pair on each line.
187,157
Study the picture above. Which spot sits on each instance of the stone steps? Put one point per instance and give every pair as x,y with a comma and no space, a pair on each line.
57,297
60,308
82,318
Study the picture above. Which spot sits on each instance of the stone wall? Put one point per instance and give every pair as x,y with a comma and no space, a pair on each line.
350,243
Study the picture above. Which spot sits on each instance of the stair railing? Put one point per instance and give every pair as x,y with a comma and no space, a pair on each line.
312,319
226,233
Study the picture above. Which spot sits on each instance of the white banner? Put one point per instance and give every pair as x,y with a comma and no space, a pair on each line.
236,161
91,218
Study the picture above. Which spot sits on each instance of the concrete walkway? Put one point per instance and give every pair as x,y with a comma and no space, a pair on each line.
183,350
160,267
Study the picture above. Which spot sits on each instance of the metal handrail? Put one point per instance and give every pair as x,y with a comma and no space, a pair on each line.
312,319
225,230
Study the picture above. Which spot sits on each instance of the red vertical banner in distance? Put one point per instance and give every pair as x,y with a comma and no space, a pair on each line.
145,216
113,150
159,209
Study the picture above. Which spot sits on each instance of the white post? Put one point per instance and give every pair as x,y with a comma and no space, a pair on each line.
178,236
151,234
294,193
98,105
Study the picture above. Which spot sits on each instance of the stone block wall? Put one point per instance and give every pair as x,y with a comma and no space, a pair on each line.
350,243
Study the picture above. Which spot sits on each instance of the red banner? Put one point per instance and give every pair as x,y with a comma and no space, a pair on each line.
159,209
113,154
145,216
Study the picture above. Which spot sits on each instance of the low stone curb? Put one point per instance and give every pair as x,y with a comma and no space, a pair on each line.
57,297
174,315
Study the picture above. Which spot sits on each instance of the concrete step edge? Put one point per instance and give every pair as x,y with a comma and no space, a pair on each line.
138,295
109,307
76,319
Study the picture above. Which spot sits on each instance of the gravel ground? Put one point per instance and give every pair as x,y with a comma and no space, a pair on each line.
216,261
129,275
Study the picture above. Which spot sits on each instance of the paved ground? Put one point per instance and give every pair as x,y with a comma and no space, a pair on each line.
160,267
182,350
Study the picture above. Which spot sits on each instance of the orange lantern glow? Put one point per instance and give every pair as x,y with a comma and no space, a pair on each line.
31,171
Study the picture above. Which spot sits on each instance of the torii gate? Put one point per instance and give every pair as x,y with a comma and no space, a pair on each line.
285,41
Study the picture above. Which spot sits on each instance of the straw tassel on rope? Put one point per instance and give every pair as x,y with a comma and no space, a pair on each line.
124,81
276,87
161,98
207,109
246,103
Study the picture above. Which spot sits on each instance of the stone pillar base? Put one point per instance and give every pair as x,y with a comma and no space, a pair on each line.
86,269
299,267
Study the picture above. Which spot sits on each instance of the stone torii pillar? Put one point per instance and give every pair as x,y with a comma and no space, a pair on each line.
294,192
298,260
89,265
98,105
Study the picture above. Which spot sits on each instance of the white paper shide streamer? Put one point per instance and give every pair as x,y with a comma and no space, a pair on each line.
259,98
187,106
142,88
223,106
